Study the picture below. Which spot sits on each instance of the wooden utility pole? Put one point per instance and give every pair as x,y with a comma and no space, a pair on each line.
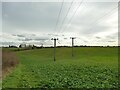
54,48
41,45
72,45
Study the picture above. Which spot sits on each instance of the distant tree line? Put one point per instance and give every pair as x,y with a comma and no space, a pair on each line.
27,47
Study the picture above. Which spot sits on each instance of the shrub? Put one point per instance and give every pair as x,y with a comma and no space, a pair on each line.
9,60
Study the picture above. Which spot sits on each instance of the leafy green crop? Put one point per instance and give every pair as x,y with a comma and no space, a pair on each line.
90,68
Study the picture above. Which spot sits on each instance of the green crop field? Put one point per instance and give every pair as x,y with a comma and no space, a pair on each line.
91,67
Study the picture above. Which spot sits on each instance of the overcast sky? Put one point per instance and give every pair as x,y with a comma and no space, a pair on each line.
92,23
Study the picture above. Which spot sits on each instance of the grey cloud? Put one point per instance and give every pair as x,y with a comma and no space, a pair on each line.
8,43
42,16
98,37
21,39
39,39
53,35
82,39
20,35
65,38
89,22
92,30
31,16
27,39
24,35
34,39
50,34
33,34
85,41
14,35
39,18
112,36
111,41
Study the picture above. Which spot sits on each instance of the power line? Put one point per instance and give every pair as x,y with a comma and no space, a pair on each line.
66,15
74,14
106,14
101,17
97,21
59,15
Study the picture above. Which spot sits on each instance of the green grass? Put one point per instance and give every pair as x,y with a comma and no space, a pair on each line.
91,67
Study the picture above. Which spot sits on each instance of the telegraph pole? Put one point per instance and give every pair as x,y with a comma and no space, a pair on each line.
41,45
72,45
54,48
